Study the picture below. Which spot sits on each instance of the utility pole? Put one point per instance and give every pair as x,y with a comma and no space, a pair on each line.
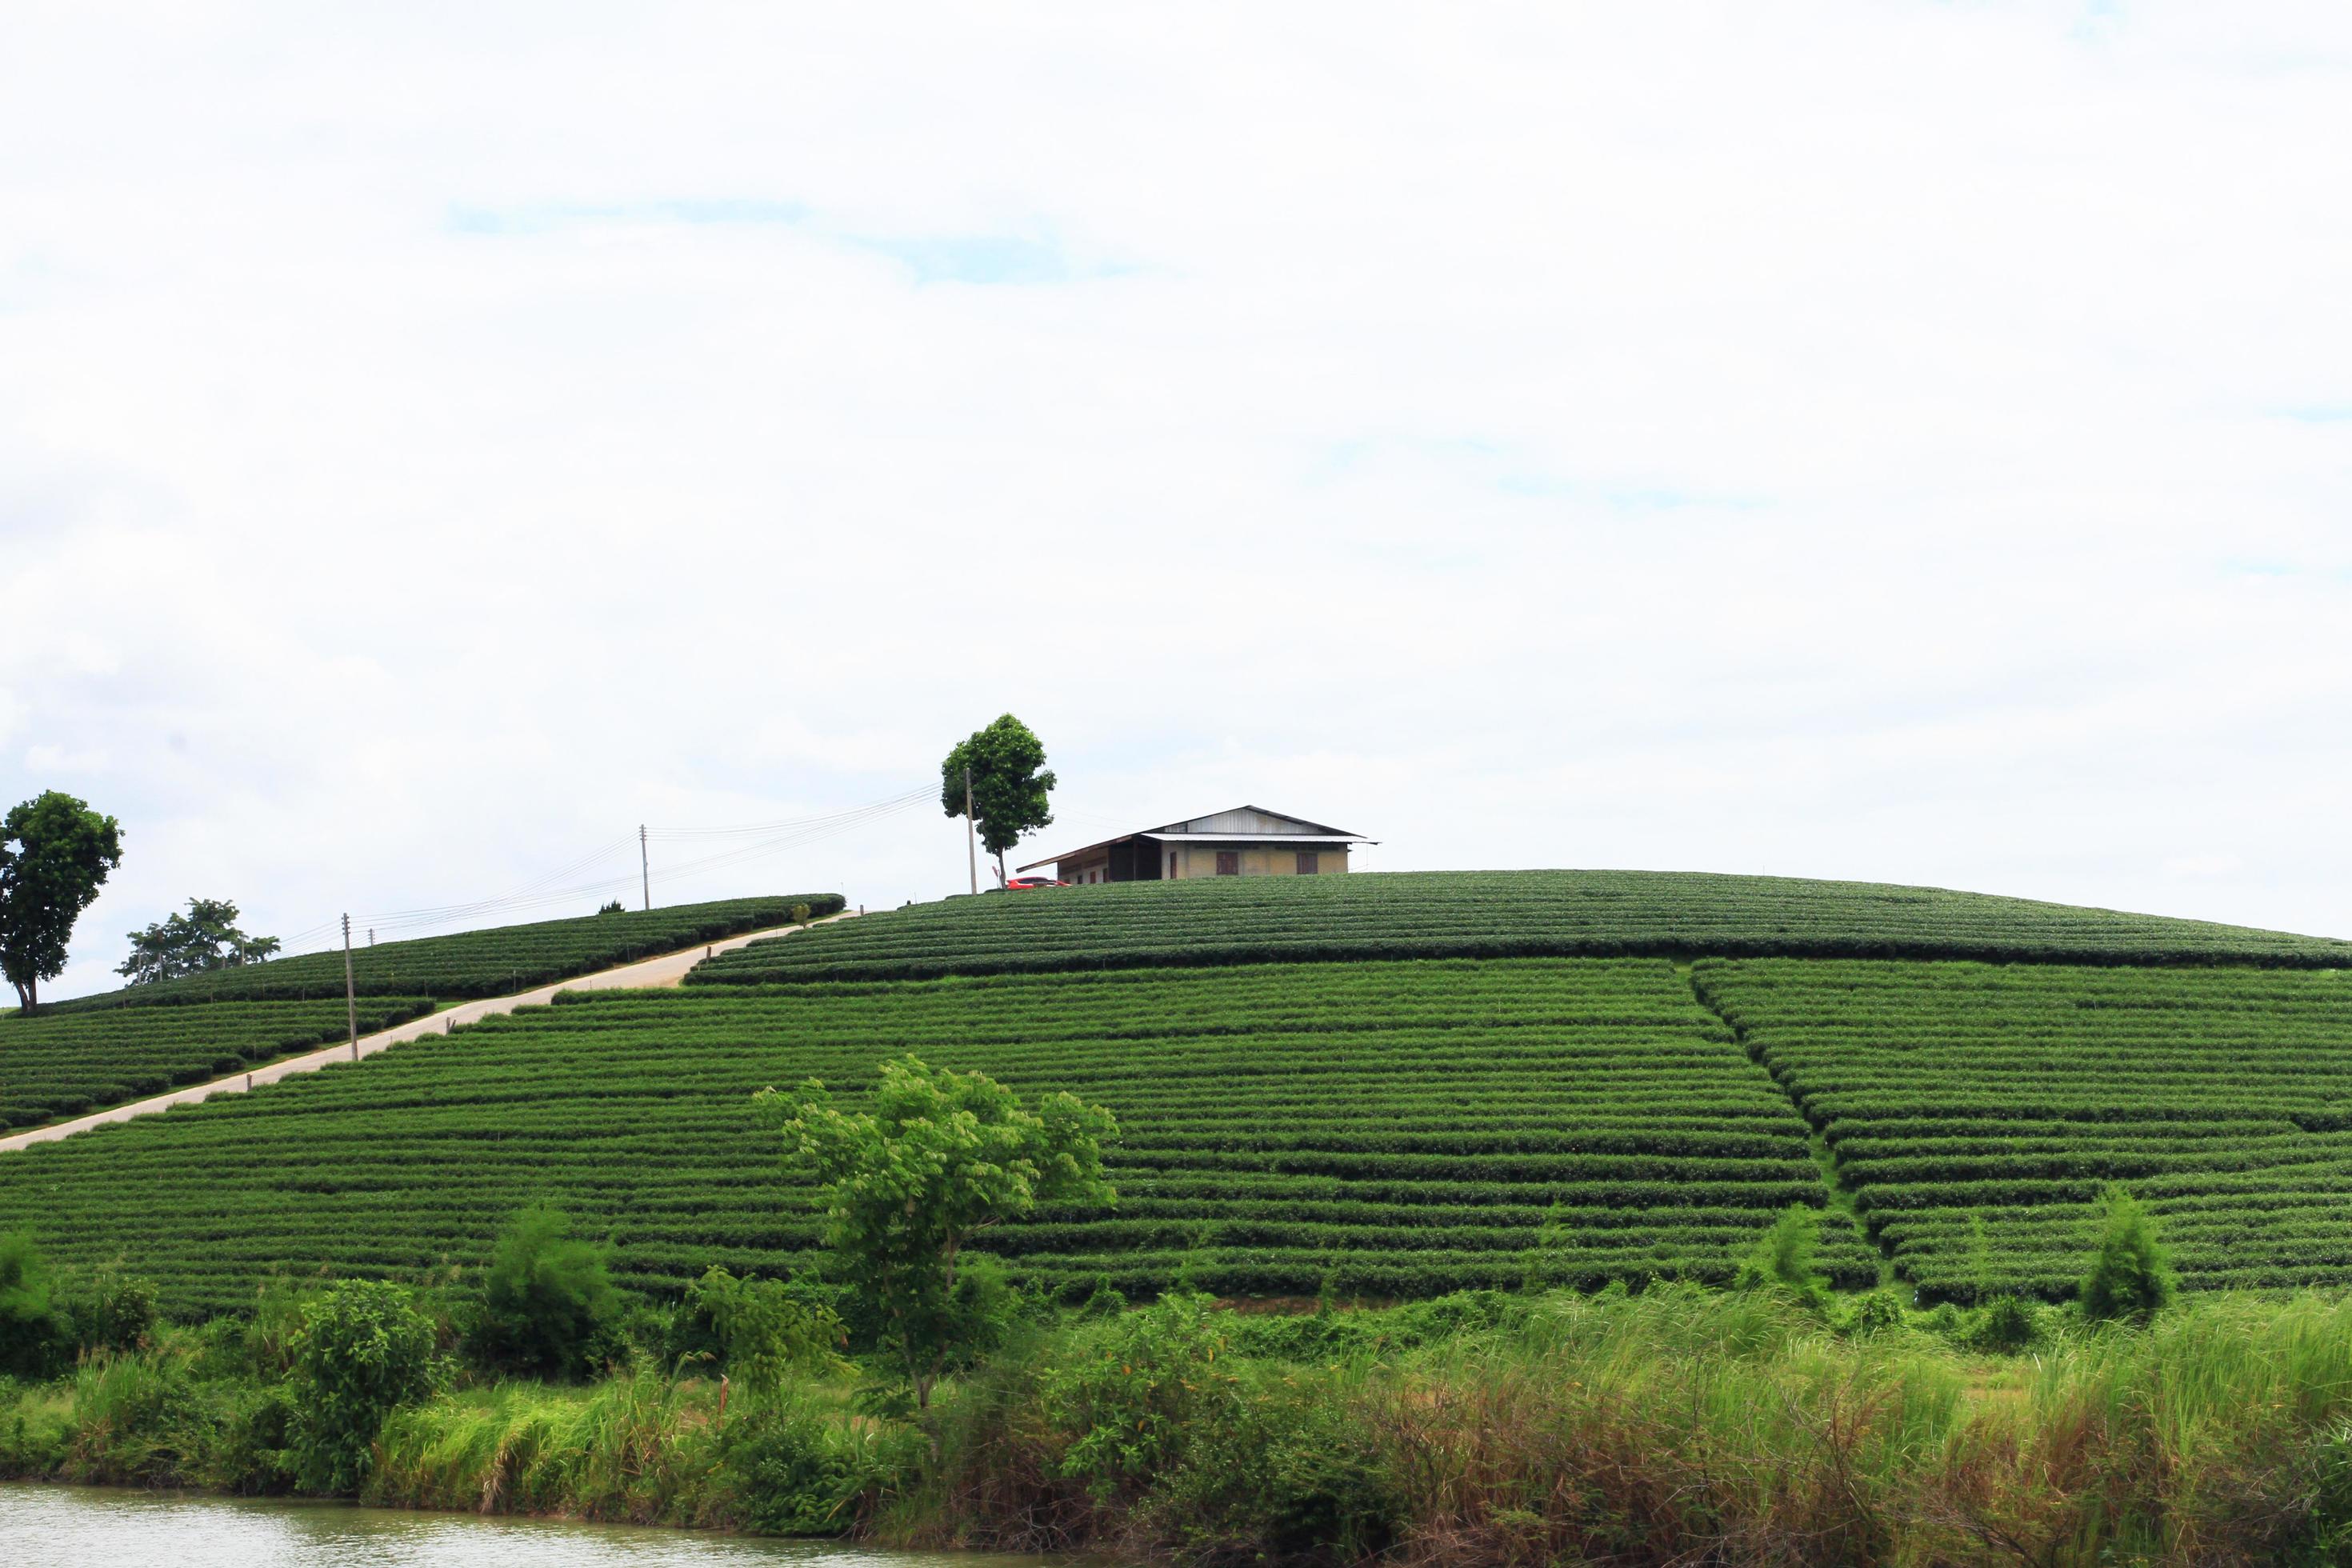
971,835
350,996
645,866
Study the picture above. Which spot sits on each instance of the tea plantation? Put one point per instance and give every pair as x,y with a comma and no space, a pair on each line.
493,963
1486,914
51,1067
1393,1085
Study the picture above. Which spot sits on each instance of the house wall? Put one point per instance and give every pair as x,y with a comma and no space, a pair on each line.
1260,859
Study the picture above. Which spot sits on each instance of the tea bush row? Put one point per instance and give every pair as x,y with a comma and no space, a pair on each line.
53,1068
1977,1112
1486,914
494,961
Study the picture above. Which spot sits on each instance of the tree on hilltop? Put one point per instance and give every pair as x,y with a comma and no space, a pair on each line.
55,853
205,938
1010,783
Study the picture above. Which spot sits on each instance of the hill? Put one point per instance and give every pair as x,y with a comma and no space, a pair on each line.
496,961
1394,1125
1487,914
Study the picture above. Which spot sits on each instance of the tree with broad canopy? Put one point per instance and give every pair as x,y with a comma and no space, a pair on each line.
1010,783
55,853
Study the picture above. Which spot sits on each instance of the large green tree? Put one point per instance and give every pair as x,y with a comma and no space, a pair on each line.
1010,783
940,1158
55,853
205,938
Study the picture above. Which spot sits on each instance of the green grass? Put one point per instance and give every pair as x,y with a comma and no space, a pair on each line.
1953,1093
493,962
1486,914
1399,1129
55,1067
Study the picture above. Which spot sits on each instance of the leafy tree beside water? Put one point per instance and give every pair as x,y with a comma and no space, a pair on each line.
54,854
941,1158
205,938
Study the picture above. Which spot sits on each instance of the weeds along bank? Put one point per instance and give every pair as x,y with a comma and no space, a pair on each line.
1680,1425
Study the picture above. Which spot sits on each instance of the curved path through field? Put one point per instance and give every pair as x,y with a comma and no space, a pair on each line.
668,970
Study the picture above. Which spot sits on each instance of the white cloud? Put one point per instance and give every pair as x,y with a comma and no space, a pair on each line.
1871,440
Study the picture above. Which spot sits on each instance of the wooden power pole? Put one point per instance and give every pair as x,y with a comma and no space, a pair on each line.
351,995
971,835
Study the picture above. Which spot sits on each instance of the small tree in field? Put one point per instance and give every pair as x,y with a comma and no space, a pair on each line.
2131,1274
205,938
55,853
940,1158
1010,784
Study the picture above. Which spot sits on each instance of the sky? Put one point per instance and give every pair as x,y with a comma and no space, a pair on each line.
1898,441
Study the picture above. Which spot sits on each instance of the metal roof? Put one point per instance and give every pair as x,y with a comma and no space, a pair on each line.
1169,833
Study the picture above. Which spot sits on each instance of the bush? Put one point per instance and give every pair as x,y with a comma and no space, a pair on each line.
1132,1391
1874,1314
2131,1277
109,1311
1782,1257
546,1299
760,1330
33,1337
360,1351
797,1473
2007,1326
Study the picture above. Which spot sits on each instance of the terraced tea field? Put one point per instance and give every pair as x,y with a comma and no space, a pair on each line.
1398,1128
52,1068
491,963
2009,1095
1486,914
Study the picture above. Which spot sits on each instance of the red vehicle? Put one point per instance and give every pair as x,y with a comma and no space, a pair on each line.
1023,884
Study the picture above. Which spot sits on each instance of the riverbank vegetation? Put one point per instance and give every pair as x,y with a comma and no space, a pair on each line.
1682,1424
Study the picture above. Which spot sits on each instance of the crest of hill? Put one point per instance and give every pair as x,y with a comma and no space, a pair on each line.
488,962
1489,914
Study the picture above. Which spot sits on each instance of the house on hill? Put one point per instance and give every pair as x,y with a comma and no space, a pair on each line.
1247,841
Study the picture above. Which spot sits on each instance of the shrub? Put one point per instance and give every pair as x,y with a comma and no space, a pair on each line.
32,1334
360,1351
1132,1391
1783,1256
759,1329
2130,1277
612,908
546,1298
797,1473
1874,1314
2007,1326
109,1311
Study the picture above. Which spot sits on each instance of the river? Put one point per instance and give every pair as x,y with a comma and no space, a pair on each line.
88,1527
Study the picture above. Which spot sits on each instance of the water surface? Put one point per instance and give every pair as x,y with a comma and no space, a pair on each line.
85,1527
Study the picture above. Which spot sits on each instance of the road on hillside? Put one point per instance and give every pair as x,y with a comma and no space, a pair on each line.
645,973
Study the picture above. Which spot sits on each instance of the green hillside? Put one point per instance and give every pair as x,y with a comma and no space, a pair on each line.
1398,1128
1460,1089
1487,914
494,961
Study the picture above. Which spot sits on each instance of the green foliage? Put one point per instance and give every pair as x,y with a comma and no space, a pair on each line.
1009,780
2130,1277
108,1311
205,938
941,1157
1782,1257
611,907
33,1334
1876,1313
547,1296
55,853
799,1473
759,1329
1126,1396
2006,1326
489,962
360,1351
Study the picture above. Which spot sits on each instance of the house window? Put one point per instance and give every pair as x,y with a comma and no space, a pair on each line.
1229,862
1309,862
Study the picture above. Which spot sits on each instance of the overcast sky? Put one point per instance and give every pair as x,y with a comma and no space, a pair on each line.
1909,442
